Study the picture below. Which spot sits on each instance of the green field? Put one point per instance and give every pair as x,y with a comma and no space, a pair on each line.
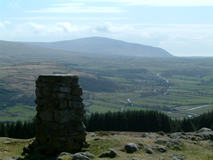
18,112
109,81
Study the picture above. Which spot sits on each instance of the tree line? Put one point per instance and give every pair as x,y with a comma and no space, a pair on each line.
146,121
139,121
19,129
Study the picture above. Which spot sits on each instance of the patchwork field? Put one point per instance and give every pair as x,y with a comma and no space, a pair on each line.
171,85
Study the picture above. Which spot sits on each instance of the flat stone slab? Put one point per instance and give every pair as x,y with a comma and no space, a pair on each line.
58,76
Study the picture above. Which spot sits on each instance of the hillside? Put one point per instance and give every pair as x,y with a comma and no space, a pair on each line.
149,146
14,53
17,87
105,46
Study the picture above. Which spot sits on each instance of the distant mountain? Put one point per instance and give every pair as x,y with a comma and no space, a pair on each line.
21,49
104,46
15,52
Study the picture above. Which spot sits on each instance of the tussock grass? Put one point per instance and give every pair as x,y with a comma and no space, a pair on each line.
200,151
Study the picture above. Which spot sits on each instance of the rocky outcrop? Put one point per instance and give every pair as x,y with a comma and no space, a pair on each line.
177,156
76,156
111,153
204,134
60,115
131,147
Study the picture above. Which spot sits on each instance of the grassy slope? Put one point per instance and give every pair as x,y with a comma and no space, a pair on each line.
199,151
184,91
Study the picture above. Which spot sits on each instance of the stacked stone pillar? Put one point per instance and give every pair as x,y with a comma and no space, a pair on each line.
60,114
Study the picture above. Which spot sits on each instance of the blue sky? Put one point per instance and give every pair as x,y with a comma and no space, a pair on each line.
182,27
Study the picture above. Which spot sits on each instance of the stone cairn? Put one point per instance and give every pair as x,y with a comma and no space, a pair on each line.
60,115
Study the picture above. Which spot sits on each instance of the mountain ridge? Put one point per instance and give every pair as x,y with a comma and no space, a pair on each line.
104,46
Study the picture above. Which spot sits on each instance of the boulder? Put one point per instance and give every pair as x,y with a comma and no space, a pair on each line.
141,145
211,143
111,153
208,135
37,157
16,157
150,135
149,151
161,133
64,154
204,129
131,147
97,139
7,158
92,134
83,156
162,149
161,141
76,156
179,135
174,141
7,142
177,156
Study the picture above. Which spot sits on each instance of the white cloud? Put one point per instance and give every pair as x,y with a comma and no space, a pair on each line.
1,25
77,8
30,28
162,2
113,28
14,6
102,27
165,32
7,22
67,27
59,29
63,18
69,4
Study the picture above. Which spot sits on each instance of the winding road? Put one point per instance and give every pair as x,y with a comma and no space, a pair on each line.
189,114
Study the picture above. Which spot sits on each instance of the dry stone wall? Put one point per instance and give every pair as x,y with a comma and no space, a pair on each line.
60,114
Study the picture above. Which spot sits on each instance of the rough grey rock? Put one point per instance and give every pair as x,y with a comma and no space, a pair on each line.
205,135
7,142
8,158
155,147
161,141
195,138
177,156
150,135
179,135
211,143
204,129
174,141
147,145
92,134
15,157
40,150
37,157
121,133
131,147
161,133
141,144
83,156
65,154
149,151
110,153
134,159
162,149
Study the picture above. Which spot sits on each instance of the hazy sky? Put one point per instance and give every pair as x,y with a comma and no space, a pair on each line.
182,27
